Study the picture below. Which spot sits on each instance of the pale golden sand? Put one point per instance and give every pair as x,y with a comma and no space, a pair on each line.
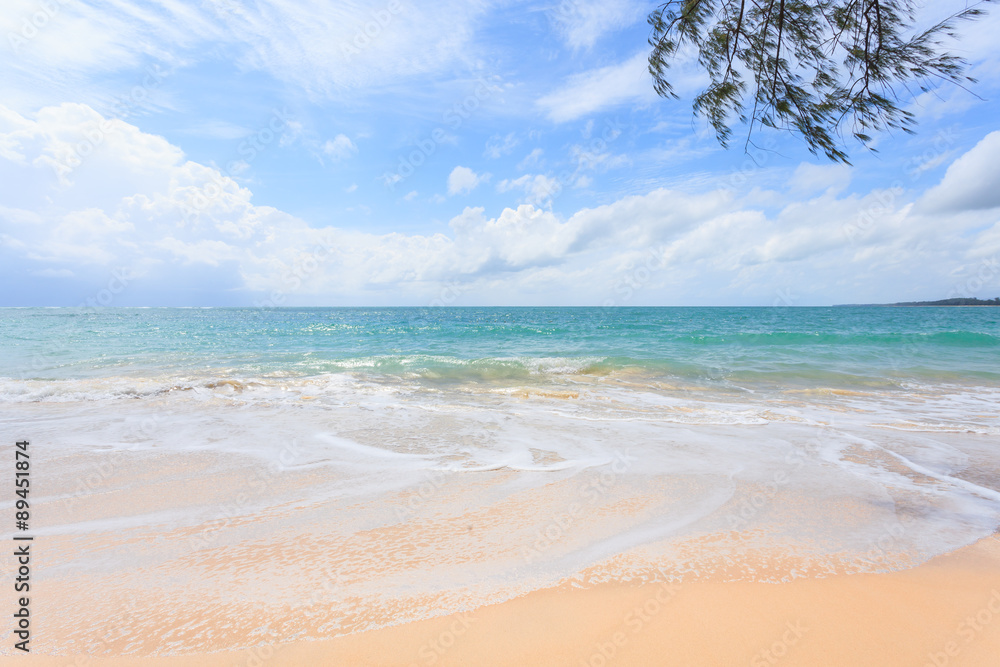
944,612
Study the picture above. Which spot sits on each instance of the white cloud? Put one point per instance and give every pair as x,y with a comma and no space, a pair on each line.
237,167
531,159
809,178
582,22
340,147
972,182
588,158
410,196
351,188
130,203
600,89
515,239
499,146
538,188
323,47
464,180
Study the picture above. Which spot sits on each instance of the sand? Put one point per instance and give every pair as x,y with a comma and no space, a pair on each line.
332,552
943,612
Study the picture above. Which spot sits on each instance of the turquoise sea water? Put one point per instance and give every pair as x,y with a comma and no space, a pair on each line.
837,347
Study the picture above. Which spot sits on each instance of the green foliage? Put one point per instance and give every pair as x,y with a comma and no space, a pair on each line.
816,67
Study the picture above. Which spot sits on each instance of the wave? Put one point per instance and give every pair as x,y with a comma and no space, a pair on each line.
545,377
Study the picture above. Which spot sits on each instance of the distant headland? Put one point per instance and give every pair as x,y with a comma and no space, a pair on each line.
943,302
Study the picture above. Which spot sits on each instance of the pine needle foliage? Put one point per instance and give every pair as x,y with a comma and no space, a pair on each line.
825,69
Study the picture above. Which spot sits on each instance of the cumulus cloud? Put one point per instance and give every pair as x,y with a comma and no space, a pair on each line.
972,182
516,239
463,180
136,201
130,198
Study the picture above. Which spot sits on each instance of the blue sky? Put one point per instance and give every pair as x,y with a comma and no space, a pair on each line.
306,152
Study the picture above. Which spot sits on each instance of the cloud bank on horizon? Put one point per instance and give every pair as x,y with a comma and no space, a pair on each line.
308,152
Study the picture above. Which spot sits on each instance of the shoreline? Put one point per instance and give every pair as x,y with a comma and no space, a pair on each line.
943,612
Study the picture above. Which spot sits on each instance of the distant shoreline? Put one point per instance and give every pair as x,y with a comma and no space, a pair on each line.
947,303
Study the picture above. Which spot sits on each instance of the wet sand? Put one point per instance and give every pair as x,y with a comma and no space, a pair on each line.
944,612
234,534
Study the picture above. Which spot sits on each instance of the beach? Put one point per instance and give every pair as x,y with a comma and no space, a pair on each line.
509,487
946,612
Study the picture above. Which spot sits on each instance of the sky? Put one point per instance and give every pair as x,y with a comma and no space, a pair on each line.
327,153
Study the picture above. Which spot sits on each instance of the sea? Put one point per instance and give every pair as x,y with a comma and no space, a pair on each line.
467,455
